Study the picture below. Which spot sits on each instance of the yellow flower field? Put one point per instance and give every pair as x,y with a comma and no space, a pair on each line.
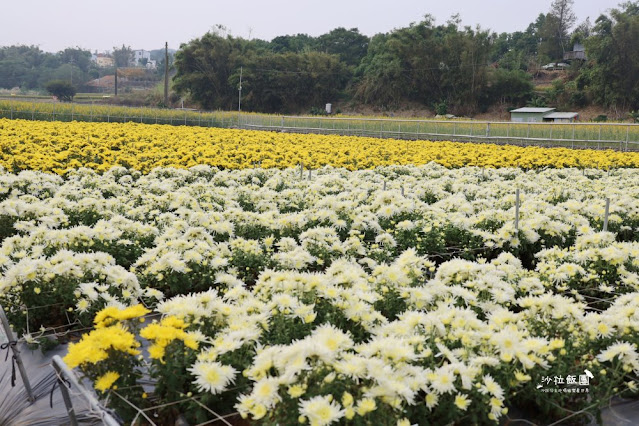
57,147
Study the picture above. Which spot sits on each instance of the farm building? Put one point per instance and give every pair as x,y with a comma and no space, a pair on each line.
529,114
537,115
578,52
561,117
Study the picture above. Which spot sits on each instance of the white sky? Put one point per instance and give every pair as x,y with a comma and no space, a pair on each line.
145,24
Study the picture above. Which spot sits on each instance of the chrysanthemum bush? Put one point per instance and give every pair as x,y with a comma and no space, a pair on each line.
110,355
403,294
60,147
47,295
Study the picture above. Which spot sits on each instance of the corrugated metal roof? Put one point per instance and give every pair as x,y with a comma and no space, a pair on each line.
561,115
533,110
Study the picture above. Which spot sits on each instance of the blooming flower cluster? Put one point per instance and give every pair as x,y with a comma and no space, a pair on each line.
60,147
402,294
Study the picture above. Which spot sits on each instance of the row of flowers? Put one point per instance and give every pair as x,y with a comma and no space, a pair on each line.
172,231
59,147
394,295
339,347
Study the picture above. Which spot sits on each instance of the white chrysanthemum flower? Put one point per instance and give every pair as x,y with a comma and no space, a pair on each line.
330,340
442,380
212,376
321,410
490,386
298,258
627,353
265,391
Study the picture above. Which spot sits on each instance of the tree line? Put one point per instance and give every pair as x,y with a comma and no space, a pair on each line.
30,68
446,67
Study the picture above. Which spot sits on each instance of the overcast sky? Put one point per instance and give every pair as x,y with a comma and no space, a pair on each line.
144,24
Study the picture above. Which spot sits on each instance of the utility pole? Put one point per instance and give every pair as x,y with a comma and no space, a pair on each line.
116,79
166,74
239,99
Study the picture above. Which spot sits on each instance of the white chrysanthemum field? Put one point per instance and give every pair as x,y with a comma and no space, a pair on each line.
400,295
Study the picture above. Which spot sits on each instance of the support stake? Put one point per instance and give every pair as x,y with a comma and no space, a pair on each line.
517,210
16,354
73,421
606,214
63,371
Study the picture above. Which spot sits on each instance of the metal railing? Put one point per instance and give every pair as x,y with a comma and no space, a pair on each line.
618,136
122,114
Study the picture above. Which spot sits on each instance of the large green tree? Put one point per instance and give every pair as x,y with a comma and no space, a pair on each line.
288,82
428,64
350,45
20,65
561,11
293,43
612,77
28,67
204,66
508,88
122,56
208,70
63,90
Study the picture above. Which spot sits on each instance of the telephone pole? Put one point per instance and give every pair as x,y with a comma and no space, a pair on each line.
166,74
239,99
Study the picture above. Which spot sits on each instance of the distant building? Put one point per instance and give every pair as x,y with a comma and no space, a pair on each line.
529,115
142,58
538,115
578,52
103,60
562,117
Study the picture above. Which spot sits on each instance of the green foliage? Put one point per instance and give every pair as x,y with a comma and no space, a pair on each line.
29,68
63,90
468,69
203,69
349,45
208,69
19,66
291,81
317,111
550,46
293,44
613,73
427,64
78,57
565,94
509,86
122,56
537,101
441,108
